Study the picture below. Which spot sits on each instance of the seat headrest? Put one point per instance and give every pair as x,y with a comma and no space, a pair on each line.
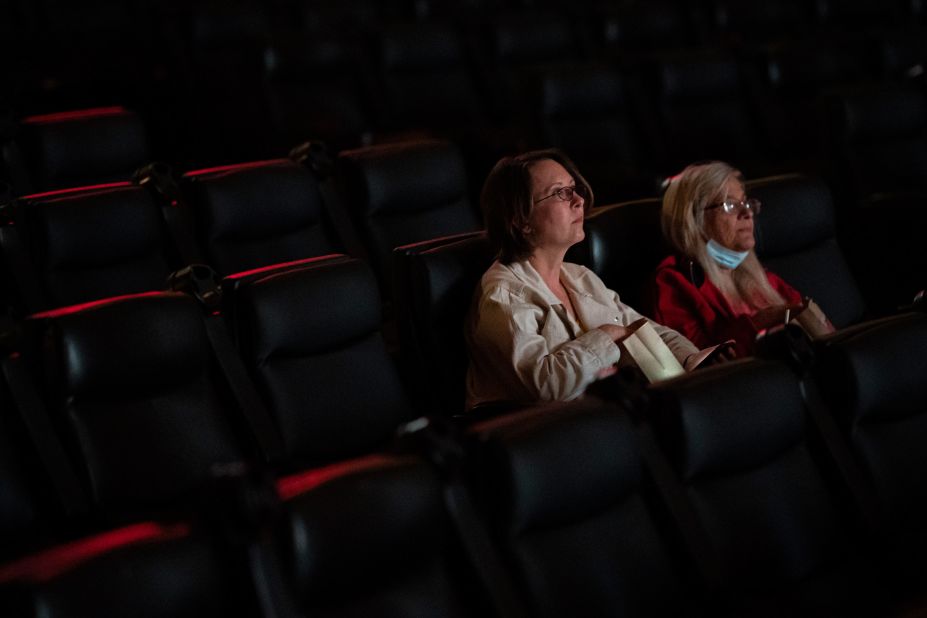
877,373
255,200
557,464
94,228
311,308
405,178
129,345
361,521
532,38
412,47
729,418
76,148
576,91
885,114
798,213
700,76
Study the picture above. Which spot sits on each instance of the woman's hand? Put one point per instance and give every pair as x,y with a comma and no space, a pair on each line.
774,316
617,333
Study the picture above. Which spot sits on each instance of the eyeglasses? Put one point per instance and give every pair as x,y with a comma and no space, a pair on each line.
564,194
751,205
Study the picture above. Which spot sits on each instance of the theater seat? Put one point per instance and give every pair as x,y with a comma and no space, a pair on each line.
131,386
71,246
874,381
145,569
309,334
436,281
574,512
260,213
371,537
592,112
796,239
764,493
880,143
83,147
402,193
623,245
707,109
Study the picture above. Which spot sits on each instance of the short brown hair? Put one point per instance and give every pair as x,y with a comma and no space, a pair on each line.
506,201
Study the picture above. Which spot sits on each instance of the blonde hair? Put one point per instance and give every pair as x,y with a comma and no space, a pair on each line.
683,221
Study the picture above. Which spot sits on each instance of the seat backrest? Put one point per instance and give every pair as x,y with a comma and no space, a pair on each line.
873,380
22,486
144,570
436,281
882,139
517,43
371,537
83,147
736,437
567,499
403,193
72,246
590,111
747,23
796,239
255,214
707,111
795,74
309,333
319,89
623,246
426,79
131,384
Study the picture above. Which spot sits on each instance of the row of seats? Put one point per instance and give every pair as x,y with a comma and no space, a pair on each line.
392,205
761,487
75,245
626,117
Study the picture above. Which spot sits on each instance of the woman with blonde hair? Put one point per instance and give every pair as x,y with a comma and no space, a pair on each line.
714,288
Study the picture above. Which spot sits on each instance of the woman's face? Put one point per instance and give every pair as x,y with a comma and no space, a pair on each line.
733,230
555,223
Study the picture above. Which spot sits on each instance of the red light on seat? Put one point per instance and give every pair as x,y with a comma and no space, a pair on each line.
292,486
78,114
47,564
235,166
81,189
61,311
282,266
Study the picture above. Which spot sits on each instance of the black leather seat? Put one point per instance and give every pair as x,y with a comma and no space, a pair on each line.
796,239
874,380
593,113
881,147
764,494
146,569
132,388
517,43
436,283
73,246
707,110
402,193
371,537
574,513
255,214
83,147
426,81
794,76
309,334
623,245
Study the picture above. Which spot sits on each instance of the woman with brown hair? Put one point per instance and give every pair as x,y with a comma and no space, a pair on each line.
541,328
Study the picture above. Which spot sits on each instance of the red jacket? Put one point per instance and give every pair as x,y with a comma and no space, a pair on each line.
691,304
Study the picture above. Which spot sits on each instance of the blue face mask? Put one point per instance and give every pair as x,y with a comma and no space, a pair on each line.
724,256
